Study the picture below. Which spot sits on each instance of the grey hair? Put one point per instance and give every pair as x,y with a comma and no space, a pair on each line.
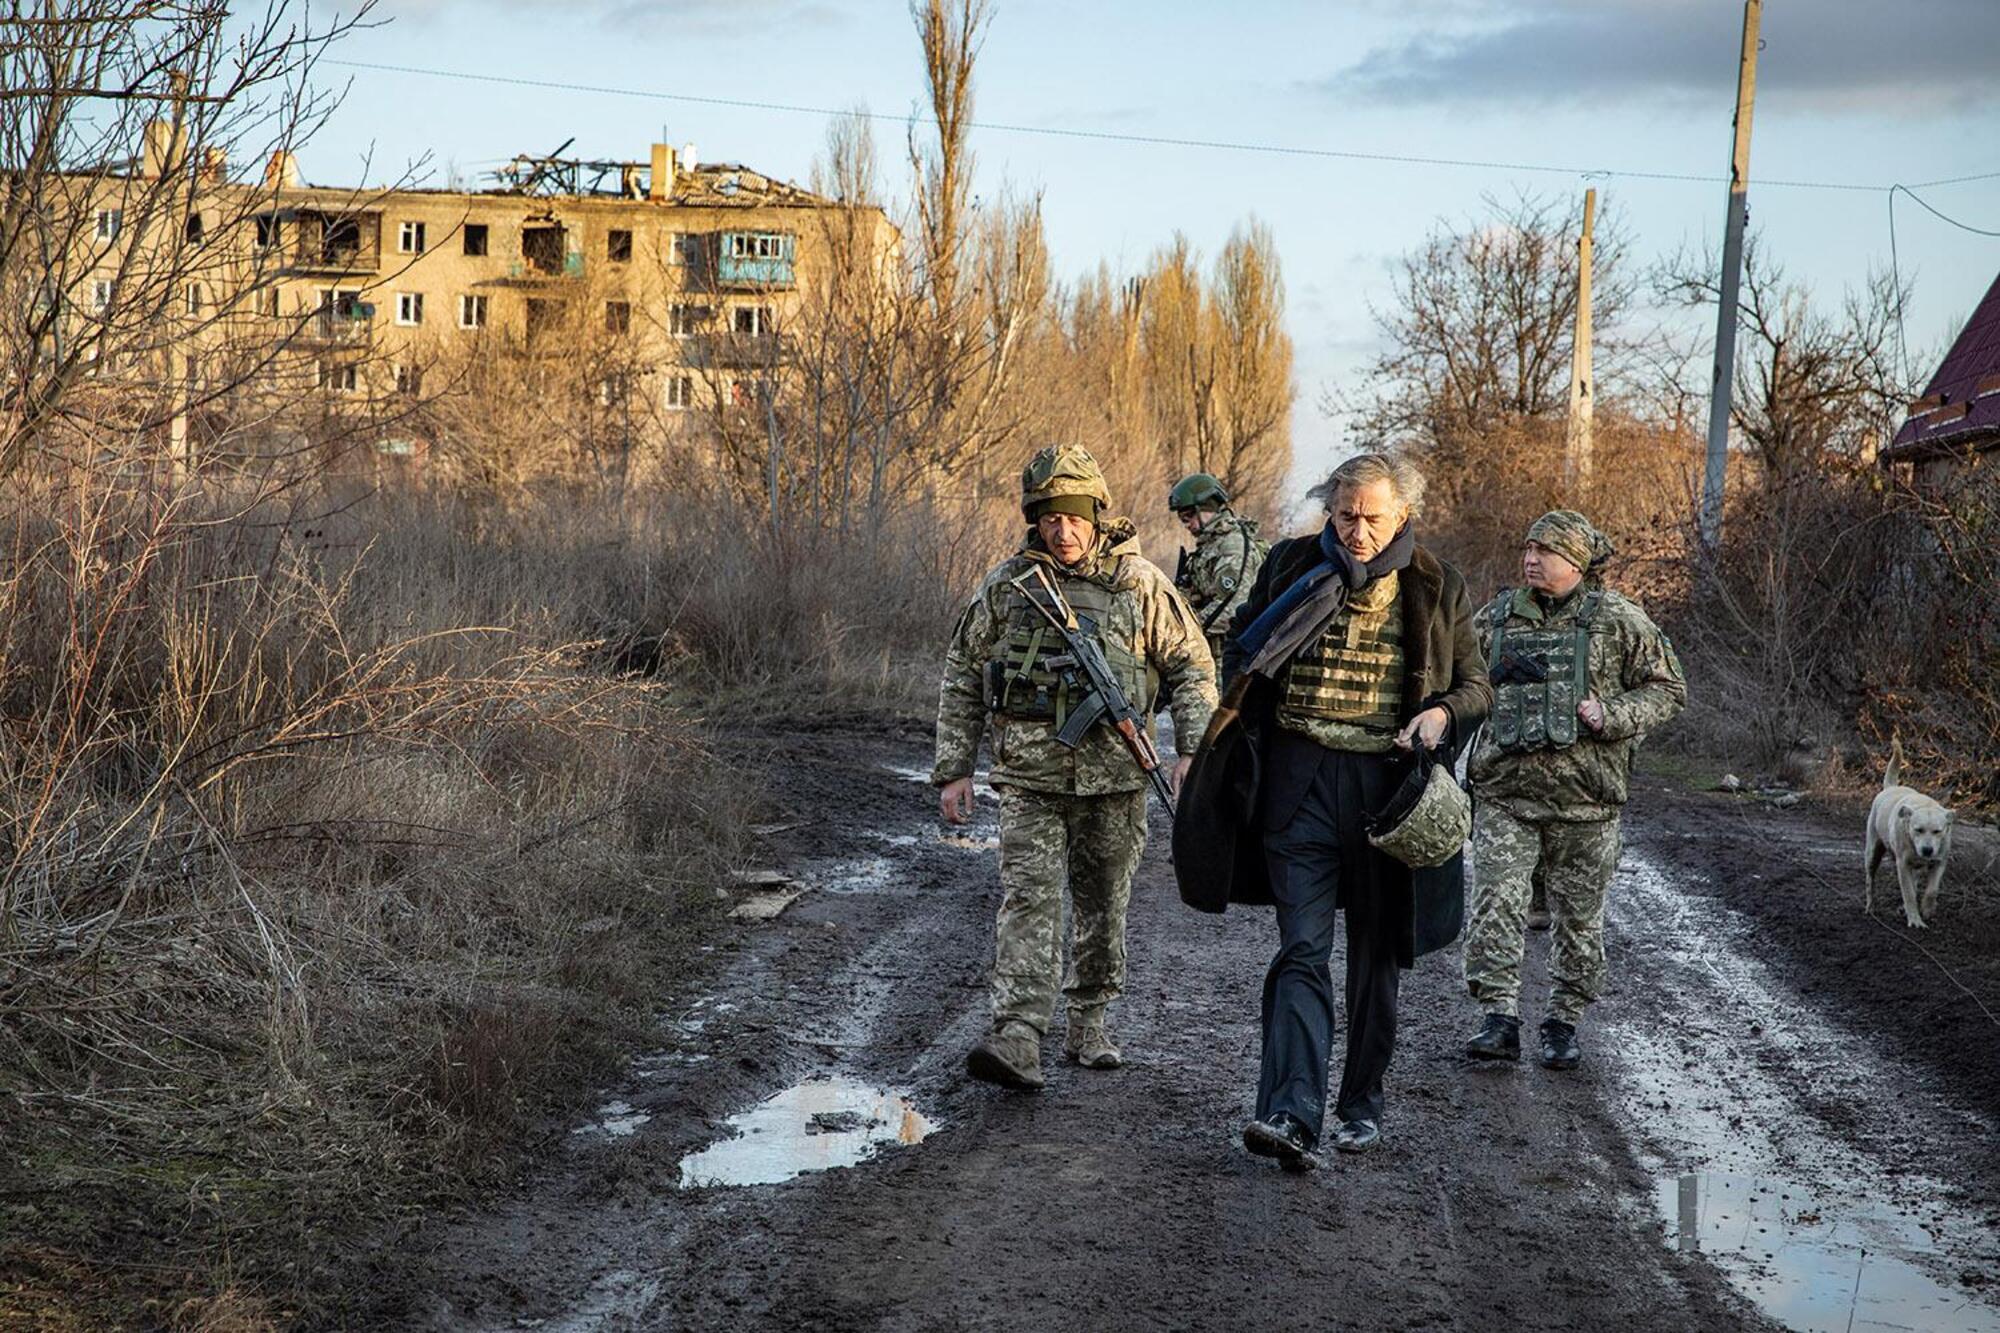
1367,469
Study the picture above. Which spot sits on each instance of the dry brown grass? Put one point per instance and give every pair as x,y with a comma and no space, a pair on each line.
336,853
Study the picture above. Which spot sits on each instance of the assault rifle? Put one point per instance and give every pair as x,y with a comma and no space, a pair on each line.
1088,677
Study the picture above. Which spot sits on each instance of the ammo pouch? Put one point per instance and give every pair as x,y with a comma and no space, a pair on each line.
1032,680
1541,714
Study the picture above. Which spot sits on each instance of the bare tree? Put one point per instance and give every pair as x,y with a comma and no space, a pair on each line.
951,33
128,275
1812,385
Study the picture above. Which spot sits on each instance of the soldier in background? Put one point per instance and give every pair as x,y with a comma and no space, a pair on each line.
1216,576
1580,674
1068,817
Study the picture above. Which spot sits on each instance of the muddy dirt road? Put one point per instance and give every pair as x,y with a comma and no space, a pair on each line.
1786,1117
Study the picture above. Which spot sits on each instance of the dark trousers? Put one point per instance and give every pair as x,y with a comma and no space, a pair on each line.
1320,863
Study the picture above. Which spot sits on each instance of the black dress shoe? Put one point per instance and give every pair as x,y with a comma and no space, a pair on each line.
1358,1135
1498,1038
1285,1137
1559,1048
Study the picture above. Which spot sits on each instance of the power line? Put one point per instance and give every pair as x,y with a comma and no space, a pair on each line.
1110,136
1924,204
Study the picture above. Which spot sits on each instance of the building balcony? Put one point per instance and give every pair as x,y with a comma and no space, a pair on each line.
754,260
737,351
327,329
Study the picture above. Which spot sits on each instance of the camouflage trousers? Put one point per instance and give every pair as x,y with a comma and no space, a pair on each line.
1090,844
1576,862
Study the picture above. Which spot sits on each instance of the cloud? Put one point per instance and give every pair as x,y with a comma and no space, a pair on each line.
1835,54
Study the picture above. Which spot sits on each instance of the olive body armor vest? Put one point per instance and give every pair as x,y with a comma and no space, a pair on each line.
1029,680
1540,714
1353,672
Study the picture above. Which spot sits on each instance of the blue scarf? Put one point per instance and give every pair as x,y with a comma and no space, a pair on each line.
1320,599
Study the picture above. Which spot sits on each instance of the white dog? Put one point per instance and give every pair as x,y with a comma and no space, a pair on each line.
1909,826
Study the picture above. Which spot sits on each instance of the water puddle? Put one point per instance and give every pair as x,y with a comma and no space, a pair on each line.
816,1126
865,874
1724,1099
1813,1264
615,1120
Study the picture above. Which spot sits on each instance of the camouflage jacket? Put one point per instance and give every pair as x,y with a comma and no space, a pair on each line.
1148,618
1633,671
1216,576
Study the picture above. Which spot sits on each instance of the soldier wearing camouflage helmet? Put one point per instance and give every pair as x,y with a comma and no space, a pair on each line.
1580,674
1216,576
1070,818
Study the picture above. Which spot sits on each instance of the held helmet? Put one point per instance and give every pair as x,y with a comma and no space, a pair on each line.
1197,490
1427,819
1063,478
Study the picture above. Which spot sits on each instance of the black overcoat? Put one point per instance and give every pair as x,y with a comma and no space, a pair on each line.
1218,853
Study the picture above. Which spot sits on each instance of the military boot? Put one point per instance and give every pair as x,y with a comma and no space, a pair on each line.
1498,1038
1088,1043
1559,1048
1010,1055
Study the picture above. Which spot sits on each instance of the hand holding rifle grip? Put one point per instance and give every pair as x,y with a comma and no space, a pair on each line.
1104,698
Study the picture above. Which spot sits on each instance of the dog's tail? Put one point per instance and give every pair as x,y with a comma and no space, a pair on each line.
1892,776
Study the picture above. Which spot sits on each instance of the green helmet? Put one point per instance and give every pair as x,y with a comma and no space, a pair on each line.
1065,478
1427,819
1197,490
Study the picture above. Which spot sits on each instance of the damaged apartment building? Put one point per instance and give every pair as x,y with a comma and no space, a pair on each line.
361,296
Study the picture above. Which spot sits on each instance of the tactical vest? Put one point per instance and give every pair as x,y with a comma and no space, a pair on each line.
1541,715
1021,684
1352,673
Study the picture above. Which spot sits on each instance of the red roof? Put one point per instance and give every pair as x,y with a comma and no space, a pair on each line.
1961,404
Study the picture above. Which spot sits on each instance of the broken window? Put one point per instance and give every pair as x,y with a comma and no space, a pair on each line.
685,320
472,312
617,316
543,248
751,321
264,300
409,307
340,241
109,223
475,238
194,229
339,376
755,245
195,300
680,392
618,246
410,238
269,232
100,294
409,379
684,247
544,318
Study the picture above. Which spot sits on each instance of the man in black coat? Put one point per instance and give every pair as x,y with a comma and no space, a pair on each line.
1354,647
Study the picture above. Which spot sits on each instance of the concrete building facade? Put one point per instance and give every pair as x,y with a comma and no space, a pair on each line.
694,270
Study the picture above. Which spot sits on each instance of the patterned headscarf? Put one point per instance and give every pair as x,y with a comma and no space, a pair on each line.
1571,536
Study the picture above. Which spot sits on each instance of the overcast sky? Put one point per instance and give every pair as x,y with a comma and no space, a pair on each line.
1849,91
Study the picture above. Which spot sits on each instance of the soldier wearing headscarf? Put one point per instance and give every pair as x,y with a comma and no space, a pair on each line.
1070,818
1580,674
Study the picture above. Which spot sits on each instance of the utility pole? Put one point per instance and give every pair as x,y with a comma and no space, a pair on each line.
1732,273
1582,379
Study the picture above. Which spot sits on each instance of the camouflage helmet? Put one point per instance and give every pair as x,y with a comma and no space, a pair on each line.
1427,819
1065,478
1197,490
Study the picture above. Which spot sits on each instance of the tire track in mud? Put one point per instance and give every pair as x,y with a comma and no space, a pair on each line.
1500,1197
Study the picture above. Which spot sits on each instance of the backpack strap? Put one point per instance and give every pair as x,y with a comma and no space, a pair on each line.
1497,619
1580,657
